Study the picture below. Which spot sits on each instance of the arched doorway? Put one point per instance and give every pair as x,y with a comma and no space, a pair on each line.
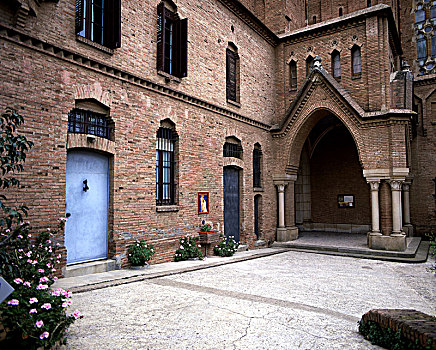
331,193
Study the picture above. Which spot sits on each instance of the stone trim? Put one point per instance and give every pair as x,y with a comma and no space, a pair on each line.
15,36
90,142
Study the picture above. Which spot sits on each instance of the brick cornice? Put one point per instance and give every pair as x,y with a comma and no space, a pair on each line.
251,20
23,39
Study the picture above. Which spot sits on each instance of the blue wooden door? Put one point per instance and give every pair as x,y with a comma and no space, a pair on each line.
231,203
87,194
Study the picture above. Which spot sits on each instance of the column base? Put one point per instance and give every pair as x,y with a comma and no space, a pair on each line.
286,234
408,230
395,242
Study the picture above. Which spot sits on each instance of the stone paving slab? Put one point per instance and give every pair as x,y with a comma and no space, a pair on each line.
290,300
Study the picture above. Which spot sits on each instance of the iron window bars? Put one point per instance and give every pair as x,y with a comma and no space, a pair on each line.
87,122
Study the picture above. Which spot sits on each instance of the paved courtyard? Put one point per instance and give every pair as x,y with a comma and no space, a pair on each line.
291,300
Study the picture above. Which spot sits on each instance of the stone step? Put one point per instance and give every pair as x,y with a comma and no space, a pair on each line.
90,267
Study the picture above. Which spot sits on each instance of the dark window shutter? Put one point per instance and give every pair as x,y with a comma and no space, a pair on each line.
160,59
230,75
79,16
183,48
112,24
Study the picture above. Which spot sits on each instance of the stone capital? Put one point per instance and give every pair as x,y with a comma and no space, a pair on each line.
406,186
396,185
281,187
374,185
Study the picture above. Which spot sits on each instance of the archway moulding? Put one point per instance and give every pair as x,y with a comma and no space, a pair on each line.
93,91
90,142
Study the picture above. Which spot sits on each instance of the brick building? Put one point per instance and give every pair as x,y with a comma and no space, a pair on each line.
283,115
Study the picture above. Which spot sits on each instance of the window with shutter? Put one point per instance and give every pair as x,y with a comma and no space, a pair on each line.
232,74
172,42
99,21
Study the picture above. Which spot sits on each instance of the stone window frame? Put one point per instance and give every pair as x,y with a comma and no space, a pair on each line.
293,75
425,36
257,166
354,49
336,52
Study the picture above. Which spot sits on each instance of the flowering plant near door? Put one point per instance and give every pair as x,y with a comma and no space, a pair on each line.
33,315
226,247
140,253
189,249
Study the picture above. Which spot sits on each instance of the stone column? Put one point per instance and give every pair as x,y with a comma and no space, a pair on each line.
375,209
408,228
281,191
396,206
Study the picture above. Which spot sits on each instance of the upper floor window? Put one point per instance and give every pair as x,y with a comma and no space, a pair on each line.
172,41
421,48
419,17
99,21
165,166
356,65
336,64
309,65
232,73
257,166
293,74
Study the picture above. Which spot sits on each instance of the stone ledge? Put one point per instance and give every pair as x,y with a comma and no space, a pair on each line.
414,325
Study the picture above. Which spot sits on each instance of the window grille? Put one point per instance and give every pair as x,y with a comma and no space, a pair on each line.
165,167
87,122
257,156
232,150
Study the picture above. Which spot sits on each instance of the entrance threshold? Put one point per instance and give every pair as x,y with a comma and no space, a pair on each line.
90,267
354,245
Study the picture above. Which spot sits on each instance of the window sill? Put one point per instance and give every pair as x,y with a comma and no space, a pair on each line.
234,103
166,208
293,89
169,77
94,45
356,76
257,189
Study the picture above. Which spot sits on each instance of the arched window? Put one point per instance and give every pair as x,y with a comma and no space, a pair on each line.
257,166
356,65
419,17
232,148
421,48
165,165
336,64
293,74
90,118
309,65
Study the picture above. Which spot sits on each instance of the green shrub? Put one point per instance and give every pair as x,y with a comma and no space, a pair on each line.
433,253
387,338
33,315
139,253
226,247
188,249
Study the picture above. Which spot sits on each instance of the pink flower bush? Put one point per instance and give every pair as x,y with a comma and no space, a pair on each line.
39,324
33,300
26,284
33,311
46,306
44,335
18,281
77,314
41,286
43,279
13,302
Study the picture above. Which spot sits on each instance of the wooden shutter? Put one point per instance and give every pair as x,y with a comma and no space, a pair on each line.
230,75
112,24
160,57
79,16
182,50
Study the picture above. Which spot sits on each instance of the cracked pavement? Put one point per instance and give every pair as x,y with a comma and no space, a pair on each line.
291,300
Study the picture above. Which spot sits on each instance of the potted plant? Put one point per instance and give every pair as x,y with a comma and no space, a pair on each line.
207,235
139,254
